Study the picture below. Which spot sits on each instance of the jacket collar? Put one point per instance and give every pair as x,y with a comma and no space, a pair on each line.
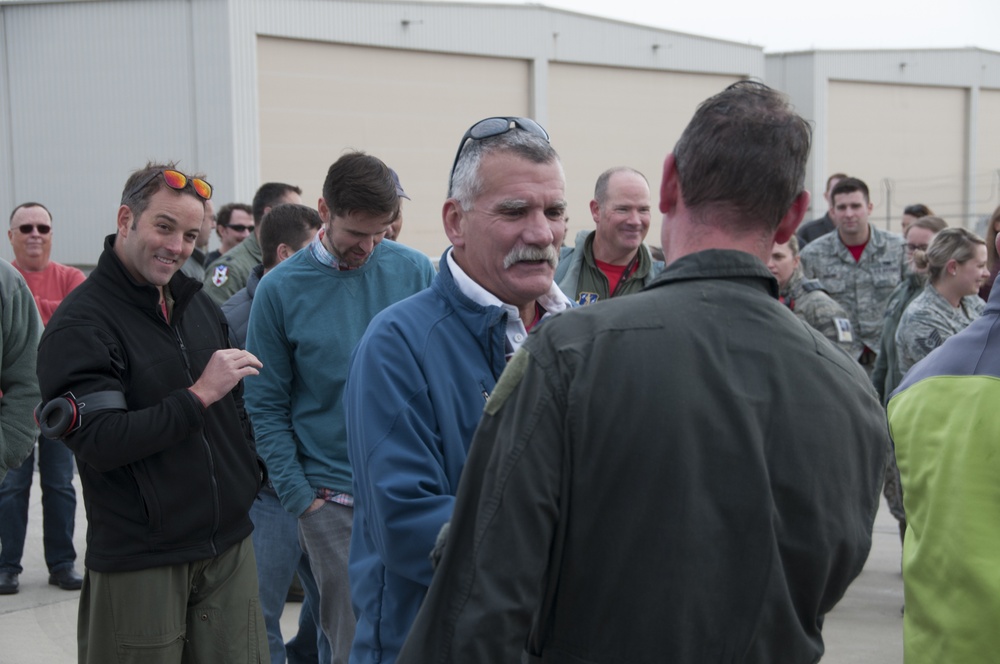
255,274
720,264
113,275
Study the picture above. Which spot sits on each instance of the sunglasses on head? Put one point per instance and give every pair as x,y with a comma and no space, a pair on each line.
27,228
174,180
240,228
495,127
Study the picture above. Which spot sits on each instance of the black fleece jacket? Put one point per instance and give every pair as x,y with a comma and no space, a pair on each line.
167,481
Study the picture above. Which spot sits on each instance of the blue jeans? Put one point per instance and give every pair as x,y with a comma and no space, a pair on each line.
55,471
279,556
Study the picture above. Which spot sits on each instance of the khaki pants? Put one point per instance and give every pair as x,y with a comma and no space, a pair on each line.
204,612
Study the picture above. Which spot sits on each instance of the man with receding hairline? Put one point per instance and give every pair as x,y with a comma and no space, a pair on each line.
611,260
30,234
636,490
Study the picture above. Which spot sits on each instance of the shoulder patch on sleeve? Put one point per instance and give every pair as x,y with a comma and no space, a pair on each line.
221,275
508,382
844,332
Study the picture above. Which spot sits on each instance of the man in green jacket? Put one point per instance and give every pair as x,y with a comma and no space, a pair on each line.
20,330
612,259
228,274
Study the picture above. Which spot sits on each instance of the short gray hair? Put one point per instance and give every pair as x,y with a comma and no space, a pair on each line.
467,185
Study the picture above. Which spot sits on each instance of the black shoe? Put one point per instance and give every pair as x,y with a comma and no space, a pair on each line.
66,578
8,583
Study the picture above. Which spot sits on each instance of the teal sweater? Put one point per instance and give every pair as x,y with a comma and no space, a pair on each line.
305,321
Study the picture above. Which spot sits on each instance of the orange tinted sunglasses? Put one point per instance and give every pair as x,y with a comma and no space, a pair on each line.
175,180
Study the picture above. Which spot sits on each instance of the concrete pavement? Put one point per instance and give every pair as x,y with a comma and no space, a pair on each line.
38,625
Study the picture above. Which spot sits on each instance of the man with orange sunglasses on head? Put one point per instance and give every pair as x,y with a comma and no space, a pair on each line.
137,377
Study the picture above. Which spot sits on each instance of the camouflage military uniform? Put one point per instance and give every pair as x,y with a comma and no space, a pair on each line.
230,271
810,303
862,287
928,321
886,376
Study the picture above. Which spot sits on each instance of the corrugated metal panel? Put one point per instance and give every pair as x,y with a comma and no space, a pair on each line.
512,31
809,76
95,90
536,34
966,67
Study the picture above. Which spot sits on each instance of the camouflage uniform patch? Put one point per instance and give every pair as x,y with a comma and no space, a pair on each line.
813,305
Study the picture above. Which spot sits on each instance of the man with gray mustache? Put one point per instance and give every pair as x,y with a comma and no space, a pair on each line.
426,366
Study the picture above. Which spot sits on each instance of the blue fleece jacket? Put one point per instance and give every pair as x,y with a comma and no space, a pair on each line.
417,386
304,323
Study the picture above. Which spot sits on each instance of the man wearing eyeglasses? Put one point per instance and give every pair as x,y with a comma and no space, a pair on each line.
139,359
637,490
612,260
30,236
227,275
426,367
308,314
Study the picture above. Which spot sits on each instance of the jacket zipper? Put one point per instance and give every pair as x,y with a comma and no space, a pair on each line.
208,448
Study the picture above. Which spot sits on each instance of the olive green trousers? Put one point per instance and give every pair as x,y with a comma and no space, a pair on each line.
203,612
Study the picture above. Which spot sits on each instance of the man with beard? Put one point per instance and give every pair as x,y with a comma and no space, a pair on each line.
307,316
424,370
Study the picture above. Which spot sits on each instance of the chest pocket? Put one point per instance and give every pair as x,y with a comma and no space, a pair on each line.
833,284
885,275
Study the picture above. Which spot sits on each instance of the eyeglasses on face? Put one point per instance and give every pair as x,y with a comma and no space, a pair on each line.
910,248
240,228
43,229
495,127
175,180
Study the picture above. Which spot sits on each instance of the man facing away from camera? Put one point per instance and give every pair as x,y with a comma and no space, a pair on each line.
708,525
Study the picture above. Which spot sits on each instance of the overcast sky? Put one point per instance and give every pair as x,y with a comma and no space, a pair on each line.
783,25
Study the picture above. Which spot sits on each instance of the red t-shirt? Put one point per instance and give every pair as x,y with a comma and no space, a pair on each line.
857,250
612,272
51,285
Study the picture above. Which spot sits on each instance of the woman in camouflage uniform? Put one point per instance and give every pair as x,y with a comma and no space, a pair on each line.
956,268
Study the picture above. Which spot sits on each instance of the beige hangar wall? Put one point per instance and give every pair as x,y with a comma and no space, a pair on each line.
408,108
988,153
601,117
906,142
